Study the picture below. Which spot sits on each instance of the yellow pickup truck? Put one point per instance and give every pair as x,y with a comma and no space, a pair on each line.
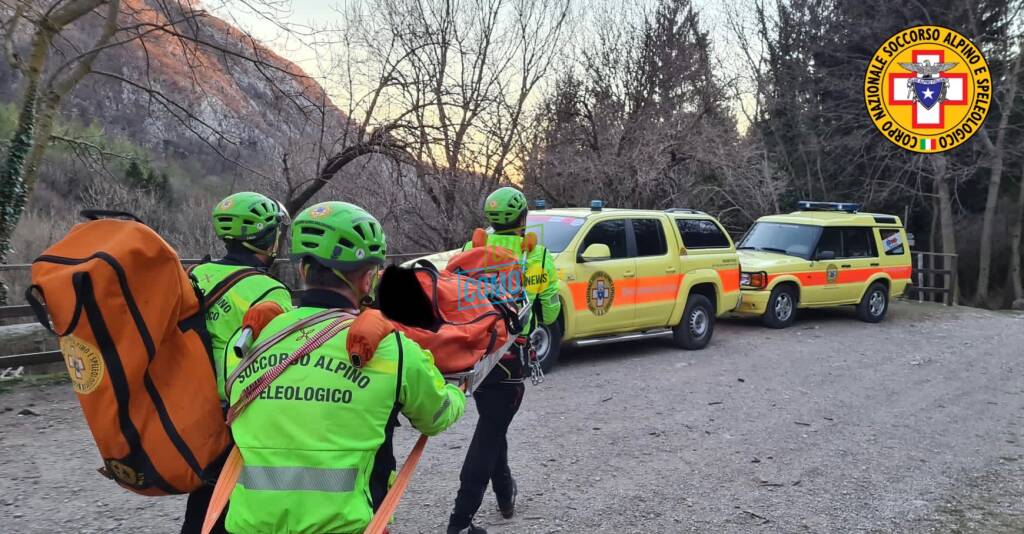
630,274
826,254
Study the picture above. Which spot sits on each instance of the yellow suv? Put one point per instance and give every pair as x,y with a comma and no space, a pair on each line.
825,254
630,274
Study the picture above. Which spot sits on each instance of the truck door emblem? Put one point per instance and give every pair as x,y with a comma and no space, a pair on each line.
600,293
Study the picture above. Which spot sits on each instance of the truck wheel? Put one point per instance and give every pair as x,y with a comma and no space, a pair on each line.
547,341
781,307
875,304
697,324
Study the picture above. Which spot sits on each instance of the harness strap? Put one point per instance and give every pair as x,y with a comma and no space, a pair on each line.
229,281
379,523
258,350
253,390
222,491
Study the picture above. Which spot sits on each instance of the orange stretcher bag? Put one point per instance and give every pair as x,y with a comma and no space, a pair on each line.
134,340
461,314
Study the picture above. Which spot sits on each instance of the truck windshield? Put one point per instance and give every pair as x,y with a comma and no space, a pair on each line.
791,239
553,232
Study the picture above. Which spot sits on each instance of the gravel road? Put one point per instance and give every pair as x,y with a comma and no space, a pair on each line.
912,425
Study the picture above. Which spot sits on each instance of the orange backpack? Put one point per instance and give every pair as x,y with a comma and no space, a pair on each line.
134,341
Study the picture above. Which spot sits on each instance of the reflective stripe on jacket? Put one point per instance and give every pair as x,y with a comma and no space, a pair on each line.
316,444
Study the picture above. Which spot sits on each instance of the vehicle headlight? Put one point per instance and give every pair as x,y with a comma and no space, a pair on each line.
755,280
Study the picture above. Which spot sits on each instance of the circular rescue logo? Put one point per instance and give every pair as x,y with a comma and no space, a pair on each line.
319,212
226,204
125,474
600,293
84,362
831,273
928,89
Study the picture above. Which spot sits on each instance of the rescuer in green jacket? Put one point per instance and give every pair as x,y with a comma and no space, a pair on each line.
499,397
250,225
316,444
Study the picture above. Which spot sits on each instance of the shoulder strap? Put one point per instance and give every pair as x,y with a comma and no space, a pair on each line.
206,259
254,389
258,350
229,281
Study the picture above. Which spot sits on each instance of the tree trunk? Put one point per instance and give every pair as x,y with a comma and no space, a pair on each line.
991,202
940,167
1015,241
996,158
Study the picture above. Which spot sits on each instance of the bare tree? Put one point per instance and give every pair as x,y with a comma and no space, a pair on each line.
441,88
997,156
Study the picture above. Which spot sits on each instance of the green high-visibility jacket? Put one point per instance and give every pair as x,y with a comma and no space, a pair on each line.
541,276
224,317
316,445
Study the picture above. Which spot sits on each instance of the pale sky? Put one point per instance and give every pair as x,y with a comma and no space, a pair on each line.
267,27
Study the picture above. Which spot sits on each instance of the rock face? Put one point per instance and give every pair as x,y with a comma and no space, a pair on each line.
202,88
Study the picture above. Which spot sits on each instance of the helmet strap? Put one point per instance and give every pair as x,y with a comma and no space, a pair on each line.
272,251
362,300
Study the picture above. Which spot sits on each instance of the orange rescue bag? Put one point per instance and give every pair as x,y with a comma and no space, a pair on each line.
134,341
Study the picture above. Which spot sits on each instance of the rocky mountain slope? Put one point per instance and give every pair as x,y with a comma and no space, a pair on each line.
195,87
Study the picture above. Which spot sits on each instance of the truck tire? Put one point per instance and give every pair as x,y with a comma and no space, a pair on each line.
875,303
547,341
697,324
781,310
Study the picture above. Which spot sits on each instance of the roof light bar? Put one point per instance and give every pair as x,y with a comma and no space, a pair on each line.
848,207
596,205
540,204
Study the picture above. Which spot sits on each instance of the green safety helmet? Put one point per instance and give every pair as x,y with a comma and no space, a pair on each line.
504,206
247,217
338,235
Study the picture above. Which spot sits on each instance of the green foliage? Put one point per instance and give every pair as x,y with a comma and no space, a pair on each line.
143,177
134,175
12,186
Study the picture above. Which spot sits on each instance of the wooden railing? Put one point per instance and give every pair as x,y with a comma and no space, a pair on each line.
934,278
25,341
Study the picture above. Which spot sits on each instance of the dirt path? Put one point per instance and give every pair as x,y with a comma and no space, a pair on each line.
913,425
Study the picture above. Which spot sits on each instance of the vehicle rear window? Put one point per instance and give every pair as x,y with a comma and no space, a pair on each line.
650,237
554,233
698,233
859,243
892,242
611,233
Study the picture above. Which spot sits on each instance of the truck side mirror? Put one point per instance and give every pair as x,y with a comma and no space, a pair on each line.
826,255
595,252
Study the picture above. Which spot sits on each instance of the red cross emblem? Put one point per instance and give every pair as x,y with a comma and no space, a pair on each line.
936,116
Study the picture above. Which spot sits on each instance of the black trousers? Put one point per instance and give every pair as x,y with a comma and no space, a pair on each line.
497,402
199,502
195,512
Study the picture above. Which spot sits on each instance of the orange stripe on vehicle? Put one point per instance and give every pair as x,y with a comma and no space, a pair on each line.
624,292
657,288
730,279
845,276
629,291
